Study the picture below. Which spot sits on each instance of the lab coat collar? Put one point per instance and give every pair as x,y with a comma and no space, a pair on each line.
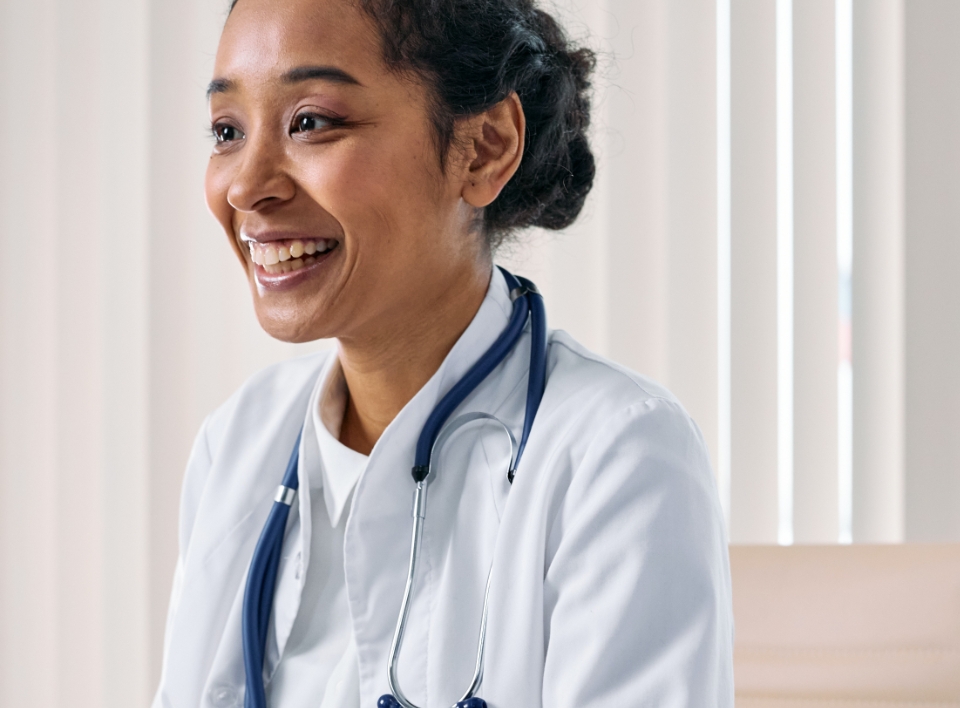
341,466
483,330
489,322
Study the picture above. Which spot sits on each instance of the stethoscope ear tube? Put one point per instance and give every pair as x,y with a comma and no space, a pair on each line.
474,376
537,377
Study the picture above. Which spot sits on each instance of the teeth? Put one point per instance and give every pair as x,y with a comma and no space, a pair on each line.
285,257
270,256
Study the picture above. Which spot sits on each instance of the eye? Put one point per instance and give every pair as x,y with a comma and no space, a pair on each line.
226,133
308,122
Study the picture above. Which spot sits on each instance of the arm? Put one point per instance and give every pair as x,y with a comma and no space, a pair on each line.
194,481
637,588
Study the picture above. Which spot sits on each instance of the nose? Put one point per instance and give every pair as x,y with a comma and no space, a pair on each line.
261,180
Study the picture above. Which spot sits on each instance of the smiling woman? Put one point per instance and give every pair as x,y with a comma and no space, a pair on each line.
369,157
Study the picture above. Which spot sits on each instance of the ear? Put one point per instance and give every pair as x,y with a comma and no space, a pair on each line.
494,148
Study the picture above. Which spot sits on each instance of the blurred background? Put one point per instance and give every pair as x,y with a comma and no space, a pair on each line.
774,234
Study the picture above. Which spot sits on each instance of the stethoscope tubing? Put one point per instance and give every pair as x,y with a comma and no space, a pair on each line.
262,582
537,377
474,376
419,517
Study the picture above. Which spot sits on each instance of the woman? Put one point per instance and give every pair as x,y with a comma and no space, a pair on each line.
369,157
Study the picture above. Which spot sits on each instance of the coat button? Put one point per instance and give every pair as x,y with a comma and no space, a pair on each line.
224,696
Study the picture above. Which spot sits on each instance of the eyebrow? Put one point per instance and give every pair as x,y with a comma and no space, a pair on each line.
329,73
219,86
294,76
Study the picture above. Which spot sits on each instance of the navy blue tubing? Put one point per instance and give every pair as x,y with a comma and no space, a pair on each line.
261,583
538,365
530,302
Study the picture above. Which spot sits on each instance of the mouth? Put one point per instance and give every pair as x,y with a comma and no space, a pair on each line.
286,256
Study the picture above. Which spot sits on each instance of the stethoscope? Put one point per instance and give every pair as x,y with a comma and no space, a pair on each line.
262,576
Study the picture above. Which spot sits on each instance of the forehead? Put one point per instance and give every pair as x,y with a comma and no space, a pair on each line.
264,39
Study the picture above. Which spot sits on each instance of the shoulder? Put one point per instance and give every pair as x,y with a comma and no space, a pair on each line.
609,438
272,399
625,510
576,365
607,404
626,453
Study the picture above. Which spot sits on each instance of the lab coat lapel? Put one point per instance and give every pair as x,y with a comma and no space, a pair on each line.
289,587
237,498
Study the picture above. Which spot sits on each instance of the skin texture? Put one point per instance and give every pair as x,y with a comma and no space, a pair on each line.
356,161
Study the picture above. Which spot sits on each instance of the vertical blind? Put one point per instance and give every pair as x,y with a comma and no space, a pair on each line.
772,235
718,252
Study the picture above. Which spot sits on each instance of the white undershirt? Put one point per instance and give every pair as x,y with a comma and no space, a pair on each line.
319,667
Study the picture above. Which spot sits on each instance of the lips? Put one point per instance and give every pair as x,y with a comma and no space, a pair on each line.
287,255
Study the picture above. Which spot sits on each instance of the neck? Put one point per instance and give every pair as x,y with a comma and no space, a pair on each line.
385,370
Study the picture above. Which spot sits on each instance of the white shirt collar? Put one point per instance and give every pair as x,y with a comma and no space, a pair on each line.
340,466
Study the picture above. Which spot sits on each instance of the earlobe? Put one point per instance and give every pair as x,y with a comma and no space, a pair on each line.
497,139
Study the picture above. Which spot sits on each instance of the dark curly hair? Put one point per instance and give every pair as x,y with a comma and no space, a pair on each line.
472,54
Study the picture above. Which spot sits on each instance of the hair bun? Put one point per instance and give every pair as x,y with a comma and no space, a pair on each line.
558,168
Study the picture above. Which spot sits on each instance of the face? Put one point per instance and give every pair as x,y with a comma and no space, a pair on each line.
325,174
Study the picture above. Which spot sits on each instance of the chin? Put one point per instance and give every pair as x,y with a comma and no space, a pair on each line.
291,328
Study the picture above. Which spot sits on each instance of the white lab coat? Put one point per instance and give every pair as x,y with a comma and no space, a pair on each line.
610,583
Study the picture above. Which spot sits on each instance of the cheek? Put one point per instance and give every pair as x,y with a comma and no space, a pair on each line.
216,184
378,188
